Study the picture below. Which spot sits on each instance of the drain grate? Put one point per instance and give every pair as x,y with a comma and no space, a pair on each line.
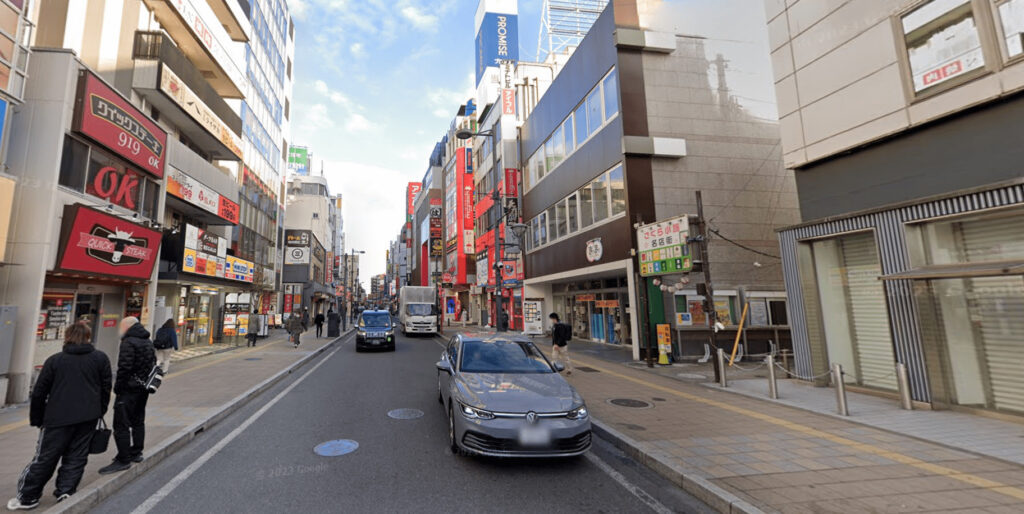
586,369
630,402
405,414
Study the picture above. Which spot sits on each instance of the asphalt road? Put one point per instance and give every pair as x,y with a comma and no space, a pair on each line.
261,459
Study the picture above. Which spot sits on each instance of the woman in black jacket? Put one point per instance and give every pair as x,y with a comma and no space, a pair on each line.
70,396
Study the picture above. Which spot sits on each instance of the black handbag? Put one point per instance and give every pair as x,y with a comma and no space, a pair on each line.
100,438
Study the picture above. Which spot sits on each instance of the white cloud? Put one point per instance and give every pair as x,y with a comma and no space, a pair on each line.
419,18
334,96
358,123
298,8
358,50
446,102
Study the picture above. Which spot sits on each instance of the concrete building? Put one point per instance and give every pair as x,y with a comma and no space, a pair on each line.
309,238
900,120
658,101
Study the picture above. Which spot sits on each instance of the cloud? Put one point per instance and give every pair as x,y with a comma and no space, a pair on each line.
446,102
334,96
358,123
441,112
316,116
419,18
358,50
298,8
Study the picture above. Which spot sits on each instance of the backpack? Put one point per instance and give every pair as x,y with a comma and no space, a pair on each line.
564,331
162,341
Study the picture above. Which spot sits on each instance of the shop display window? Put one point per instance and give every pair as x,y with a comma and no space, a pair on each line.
943,43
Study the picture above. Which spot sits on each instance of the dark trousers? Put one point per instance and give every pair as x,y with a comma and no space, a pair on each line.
252,339
69,445
319,329
130,425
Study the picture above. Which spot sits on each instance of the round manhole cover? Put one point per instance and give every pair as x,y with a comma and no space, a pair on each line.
405,414
695,376
336,447
629,402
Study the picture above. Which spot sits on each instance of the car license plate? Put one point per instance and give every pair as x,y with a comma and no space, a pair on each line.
534,436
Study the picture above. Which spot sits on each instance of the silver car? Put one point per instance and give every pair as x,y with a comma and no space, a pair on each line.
504,399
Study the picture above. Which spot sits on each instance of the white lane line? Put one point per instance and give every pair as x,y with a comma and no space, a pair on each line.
640,494
169,487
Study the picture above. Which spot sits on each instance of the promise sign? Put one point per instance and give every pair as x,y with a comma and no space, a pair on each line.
107,118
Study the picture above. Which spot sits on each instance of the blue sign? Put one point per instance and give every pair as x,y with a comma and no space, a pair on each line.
3,118
497,40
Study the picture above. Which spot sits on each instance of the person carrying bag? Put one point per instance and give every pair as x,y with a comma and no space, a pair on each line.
136,369
166,343
68,401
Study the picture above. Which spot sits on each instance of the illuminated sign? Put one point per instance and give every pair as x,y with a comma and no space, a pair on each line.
110,120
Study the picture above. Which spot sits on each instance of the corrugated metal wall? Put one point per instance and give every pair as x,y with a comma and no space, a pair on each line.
892,244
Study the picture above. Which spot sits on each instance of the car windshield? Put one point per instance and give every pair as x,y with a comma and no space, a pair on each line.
375,320
503,357
420,309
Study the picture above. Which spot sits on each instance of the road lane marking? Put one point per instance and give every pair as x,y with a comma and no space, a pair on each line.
633,489
180,478
937,469
11,426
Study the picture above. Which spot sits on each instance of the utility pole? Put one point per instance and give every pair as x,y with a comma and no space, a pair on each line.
641,282
707,290
498,262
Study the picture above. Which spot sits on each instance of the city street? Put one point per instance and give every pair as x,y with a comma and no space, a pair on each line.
261,459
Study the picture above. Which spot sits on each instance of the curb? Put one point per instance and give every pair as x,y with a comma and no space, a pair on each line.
93,495
718,498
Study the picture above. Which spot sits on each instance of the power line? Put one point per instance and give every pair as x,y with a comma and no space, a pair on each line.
747,248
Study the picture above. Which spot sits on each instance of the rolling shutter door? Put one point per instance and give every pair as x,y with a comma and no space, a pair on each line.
869,318
997,307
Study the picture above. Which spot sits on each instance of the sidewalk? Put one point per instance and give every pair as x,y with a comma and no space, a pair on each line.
742,453
196,392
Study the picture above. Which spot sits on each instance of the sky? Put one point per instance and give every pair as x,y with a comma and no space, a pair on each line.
377,84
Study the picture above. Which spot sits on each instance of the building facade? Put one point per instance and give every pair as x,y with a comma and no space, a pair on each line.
912,203
308,275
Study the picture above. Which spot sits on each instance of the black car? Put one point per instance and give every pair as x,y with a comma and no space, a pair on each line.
375,330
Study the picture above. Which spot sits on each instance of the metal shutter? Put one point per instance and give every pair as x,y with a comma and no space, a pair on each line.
997,307
869,318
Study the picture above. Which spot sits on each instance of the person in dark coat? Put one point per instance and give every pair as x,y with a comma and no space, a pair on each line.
305,319
319,322
135,360
165,342
294,328
69,397
254,327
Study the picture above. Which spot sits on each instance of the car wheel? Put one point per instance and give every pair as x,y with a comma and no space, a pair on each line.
451,432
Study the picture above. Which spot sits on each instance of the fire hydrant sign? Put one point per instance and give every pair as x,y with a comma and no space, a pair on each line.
662,247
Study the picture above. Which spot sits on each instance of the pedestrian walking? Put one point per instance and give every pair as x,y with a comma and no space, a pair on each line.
305,319
561,334
503,319
135,360
253,330
69,397
294,328
165,342
319,322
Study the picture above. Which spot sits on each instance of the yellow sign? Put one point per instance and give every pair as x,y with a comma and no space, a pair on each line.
664,343
188,264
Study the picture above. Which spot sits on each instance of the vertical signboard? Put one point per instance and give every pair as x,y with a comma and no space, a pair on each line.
663,248
496,40
411,190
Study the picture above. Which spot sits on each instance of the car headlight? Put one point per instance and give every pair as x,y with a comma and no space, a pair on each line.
578,413
474,413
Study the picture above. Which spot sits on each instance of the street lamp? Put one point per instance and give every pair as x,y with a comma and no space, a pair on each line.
466,133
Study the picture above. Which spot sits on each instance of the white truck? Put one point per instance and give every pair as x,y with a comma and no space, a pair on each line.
418,310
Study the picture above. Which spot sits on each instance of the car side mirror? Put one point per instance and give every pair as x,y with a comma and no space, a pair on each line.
559,367
444,366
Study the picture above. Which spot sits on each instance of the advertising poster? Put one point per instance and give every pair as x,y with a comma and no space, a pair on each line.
99,243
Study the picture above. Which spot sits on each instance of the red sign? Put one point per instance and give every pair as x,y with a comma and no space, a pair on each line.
109,323
411,190
99,243
227,209
118,186
512,182
287,303
107,118
508,101
943,73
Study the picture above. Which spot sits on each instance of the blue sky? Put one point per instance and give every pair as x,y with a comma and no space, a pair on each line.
377,83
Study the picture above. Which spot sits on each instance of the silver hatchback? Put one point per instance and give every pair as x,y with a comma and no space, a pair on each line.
505,399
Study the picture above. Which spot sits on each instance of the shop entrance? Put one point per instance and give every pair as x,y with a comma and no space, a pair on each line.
87,308
596,309
197,319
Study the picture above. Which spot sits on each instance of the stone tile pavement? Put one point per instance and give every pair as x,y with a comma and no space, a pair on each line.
190,393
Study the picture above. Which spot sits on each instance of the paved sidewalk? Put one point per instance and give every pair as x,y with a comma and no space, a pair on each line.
736,451
194,391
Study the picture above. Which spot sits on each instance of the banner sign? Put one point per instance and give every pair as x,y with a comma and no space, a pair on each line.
207,254
296,255
508,101
194,192
411,191
110,120
98,243
663,248
296,238
496,40
181,94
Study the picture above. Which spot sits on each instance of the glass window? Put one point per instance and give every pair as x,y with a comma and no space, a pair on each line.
151,199
535,229
594,119
611,95
618,190
543,222
8,19
586,206
112,182
580,119
943,42
600,188
72,164
570,144
552,224
538,164
1011,14
558,139
550,160
6,47
777,310
560,218
572,214
502,357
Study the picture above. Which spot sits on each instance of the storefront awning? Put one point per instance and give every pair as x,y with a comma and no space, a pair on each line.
964,270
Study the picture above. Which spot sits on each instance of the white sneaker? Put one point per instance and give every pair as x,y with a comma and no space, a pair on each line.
15,504
63,497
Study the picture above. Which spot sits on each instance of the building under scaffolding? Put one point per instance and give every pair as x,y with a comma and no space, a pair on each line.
564,23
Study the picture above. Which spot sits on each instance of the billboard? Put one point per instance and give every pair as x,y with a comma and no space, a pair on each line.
196,193
95,242
496,40
206,254
298,160
411,191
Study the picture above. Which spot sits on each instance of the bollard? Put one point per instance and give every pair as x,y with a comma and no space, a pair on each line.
721,367
903,381
837,379
773,386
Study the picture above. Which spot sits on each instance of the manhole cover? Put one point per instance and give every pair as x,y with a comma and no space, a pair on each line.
695,376
629,402
586,369
336,447
406,414
254,358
